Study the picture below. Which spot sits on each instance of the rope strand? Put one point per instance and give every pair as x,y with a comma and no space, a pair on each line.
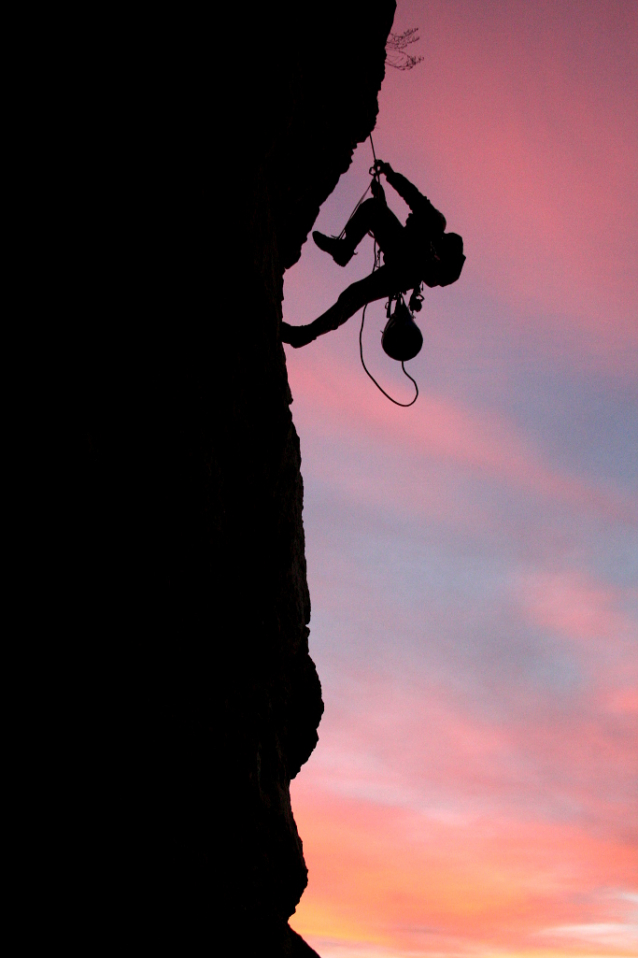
374,155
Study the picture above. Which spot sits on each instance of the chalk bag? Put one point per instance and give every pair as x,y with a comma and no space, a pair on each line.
402,339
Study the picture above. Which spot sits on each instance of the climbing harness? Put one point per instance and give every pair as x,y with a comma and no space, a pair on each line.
401,338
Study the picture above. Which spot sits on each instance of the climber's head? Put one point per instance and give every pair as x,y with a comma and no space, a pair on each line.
450,252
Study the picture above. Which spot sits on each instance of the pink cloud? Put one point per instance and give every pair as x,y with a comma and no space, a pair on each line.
439,430
436,748
592,616
576,606
623,701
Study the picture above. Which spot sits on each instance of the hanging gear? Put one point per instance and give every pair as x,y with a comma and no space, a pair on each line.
416,300
402,339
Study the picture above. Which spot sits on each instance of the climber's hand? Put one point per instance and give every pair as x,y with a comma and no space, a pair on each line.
381,166
296,336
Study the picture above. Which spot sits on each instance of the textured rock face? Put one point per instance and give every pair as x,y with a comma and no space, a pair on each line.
207,148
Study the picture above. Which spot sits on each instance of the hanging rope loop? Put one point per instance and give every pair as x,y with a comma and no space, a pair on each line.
379,387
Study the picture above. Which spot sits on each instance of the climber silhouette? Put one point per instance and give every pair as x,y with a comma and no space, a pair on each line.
420,251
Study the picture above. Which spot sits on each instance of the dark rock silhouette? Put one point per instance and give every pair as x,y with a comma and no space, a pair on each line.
186,156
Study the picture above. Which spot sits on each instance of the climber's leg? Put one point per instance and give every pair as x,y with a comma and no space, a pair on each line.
379,220
373,216
379,285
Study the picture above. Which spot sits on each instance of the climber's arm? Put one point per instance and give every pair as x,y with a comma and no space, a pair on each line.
298,336
406,190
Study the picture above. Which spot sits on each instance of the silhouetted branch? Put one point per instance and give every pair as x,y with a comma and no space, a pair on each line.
397,56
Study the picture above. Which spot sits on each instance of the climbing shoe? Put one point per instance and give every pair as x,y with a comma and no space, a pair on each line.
337,248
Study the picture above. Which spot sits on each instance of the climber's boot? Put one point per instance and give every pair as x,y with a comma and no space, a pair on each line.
339,249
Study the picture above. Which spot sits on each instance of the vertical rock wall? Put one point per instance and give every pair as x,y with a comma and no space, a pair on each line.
194,150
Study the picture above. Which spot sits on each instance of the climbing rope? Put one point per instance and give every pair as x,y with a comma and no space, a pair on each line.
374,155
343,231
375,267
375,176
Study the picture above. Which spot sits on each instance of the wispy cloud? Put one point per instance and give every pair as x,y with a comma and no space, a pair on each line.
439,431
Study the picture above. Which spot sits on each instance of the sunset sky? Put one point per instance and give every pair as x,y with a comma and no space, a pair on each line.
473,560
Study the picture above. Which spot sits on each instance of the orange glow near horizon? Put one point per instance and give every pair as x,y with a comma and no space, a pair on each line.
424,883
409,881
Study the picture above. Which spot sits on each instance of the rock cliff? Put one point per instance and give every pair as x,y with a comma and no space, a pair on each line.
194,151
